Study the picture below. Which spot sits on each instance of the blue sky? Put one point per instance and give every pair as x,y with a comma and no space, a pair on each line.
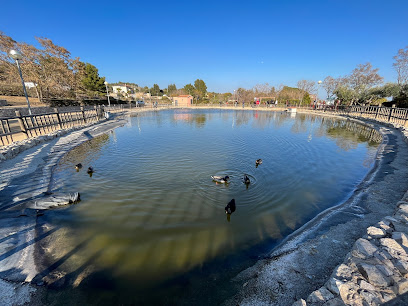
228,44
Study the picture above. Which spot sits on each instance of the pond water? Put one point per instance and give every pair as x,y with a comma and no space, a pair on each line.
152,220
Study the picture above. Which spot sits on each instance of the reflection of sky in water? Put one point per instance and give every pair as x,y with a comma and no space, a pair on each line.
152,211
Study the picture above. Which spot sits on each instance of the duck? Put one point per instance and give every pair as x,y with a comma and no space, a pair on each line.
220,179
247,181
258,162
90,170
78,166
230,208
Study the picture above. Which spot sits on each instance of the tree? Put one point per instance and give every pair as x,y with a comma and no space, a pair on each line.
330,84
306,99
189,89
304,87
200,87
51,67
91,80
171,89
345,94
155,90
364,77
401,66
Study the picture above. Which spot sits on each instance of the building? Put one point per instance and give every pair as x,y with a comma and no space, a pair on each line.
123,89
183,101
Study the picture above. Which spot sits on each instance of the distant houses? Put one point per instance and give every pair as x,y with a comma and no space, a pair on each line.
122,89
183,101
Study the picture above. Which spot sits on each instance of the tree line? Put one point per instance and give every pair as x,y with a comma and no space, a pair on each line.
58,75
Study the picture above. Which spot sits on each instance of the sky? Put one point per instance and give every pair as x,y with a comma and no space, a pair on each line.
228,44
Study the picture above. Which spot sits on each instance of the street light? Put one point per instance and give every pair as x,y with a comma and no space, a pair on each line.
17,56
317,94
107,92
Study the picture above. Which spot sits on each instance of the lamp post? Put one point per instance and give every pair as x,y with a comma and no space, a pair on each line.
317,94
17,56
107,92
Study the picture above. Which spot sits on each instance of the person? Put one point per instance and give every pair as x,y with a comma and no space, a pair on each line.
243,104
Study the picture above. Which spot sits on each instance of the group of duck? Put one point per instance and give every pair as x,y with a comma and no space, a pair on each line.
90,170
231,206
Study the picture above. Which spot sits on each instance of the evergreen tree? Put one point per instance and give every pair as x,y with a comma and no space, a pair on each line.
306,99
200,87
91,80
189,89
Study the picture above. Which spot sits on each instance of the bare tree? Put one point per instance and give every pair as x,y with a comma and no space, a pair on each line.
363,78
305,86
330,85
401,66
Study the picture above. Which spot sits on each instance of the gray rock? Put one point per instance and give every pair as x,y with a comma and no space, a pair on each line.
387,296
320,295
365,248
401,287
334,285
349,294
400,226
376,232
390,220
300,302
393,247
366,286
373,275
385,270
343,272
401,238
385,225
402,266
370,297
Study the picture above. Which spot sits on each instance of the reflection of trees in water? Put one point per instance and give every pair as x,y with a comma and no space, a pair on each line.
263,119
300,125
241,118
348,134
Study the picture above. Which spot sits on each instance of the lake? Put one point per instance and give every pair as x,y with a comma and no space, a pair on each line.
151,226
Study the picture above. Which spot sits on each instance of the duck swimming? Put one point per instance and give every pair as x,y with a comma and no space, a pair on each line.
230,208
220,179
78,166
258,162
246,180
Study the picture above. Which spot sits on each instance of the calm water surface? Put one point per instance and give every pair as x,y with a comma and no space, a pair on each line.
151,213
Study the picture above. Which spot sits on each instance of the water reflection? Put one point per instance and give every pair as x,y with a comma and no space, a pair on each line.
153,211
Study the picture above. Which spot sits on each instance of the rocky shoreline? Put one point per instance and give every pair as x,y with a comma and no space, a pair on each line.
376,269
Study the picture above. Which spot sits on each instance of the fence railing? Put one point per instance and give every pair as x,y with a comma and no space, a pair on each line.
21,127
383,114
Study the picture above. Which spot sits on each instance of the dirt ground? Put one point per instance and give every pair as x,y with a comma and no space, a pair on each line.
14,101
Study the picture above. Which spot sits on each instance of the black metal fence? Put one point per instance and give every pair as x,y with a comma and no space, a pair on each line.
21,127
